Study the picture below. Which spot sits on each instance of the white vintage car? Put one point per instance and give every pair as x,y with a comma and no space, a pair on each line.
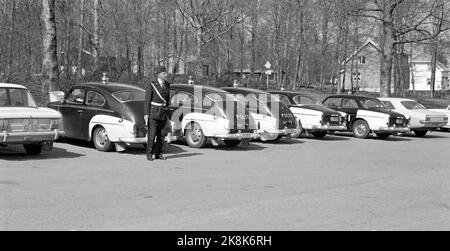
201,113
445,128
315,118
22,122
422,119
438,105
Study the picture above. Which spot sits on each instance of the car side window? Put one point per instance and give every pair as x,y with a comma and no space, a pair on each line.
333,102
388,104
95,99
76,97
3,98
285,100
183,98
304,100
350,104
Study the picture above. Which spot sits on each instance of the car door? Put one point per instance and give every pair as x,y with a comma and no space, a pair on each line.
96,104
72,110
350,106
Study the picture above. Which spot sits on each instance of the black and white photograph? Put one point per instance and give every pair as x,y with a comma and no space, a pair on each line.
244,117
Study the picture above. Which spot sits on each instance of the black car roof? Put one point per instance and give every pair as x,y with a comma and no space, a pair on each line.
190,88
290,93
244,91
110,87
350,96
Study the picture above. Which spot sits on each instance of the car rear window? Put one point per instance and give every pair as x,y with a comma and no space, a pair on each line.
16,97
126,96
412,105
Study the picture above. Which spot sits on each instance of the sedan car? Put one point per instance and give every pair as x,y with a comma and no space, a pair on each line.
367,115
275,120
422,119
108,114
438,105
200,113
315,118
22,122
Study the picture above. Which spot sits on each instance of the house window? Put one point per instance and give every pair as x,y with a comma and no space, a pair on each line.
357,76
205,70
362,59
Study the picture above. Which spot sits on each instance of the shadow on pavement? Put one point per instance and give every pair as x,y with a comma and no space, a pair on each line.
328,138
76,142
15,153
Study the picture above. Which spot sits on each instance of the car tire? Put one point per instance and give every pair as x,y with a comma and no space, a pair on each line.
383,135
195,137
319,135
420,133
101,140
361,129
33,149
232,143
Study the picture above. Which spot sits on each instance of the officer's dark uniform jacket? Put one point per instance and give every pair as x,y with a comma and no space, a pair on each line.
154,106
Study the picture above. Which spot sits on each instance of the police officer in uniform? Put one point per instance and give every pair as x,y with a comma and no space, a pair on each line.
157,100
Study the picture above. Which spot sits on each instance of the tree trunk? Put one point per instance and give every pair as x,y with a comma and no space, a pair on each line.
433,70
96,45
198,54
80,42
50,71
12,30
386,58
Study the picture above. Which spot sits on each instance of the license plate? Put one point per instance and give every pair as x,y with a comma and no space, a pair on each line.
30,125
399,121
334,119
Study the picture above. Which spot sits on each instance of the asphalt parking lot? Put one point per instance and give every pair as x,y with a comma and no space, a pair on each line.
338,183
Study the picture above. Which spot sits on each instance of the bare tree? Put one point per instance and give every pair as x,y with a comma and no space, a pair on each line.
50,71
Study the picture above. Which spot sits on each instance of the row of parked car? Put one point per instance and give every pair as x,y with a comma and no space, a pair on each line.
111,115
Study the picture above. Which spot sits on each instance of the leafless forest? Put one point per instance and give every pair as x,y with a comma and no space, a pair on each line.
52,44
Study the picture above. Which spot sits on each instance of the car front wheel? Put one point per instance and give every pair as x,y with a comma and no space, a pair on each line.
195,137
361,129
101,140
33,149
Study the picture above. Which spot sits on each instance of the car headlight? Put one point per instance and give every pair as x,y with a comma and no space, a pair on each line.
4,125
54,124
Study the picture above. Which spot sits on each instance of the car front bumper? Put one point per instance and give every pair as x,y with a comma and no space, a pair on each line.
393,130
431,125
316,128
236,136
27,137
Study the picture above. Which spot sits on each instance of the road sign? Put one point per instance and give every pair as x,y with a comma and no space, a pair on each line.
269,72
268,65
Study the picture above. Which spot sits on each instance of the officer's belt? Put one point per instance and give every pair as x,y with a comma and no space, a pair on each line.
157,104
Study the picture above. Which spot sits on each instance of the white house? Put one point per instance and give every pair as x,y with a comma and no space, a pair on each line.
421,74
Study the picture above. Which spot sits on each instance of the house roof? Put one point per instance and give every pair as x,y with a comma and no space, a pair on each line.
369,42
426,59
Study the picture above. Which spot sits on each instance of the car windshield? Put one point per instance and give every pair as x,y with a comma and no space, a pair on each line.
127,96
369,103
412,105
16,97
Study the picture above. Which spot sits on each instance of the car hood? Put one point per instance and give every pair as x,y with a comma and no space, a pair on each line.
28,112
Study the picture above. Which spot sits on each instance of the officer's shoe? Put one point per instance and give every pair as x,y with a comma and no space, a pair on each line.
161,157
150,158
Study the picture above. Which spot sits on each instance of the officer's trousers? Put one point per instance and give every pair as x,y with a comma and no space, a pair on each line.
154,137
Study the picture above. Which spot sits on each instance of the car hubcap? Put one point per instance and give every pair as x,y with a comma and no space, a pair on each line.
196,135
361,129
102,137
